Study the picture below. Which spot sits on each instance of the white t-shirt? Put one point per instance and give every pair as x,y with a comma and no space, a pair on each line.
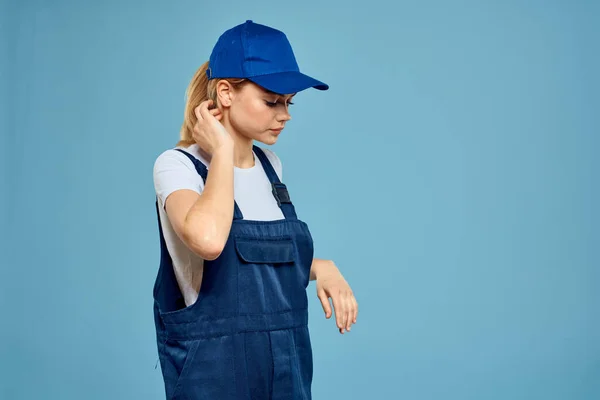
252,192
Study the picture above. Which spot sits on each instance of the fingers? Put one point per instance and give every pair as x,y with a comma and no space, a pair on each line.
355,304
202,109
198,123
347,313
198,113
338,306
347,320
346,310
203,115
325,303
204,112
351,309
215,112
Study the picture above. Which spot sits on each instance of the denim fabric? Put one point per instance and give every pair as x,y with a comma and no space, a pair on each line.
246,337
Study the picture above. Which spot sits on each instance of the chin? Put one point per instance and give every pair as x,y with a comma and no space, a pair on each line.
268,140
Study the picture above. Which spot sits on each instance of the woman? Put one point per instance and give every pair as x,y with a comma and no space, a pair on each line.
230,296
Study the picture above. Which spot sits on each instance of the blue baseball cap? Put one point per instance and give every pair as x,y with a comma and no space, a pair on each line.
262,55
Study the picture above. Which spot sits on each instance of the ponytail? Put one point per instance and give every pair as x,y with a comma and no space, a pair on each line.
196,93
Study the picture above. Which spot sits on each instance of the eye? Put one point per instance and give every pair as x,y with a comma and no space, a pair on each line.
274,104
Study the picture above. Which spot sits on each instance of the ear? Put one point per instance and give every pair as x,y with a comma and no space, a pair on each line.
225,93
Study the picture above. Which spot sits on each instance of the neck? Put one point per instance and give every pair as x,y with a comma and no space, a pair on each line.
243,157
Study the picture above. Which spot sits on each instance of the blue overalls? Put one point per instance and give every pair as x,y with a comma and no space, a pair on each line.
246,337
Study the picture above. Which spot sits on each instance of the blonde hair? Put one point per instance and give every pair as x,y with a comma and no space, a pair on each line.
199,90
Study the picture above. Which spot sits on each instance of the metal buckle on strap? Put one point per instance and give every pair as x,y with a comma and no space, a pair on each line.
281,193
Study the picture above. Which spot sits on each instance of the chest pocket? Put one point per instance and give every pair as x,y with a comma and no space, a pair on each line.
269,277
271,251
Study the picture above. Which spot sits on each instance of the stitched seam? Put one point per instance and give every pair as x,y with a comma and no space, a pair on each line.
297,369
188,338
235,314
272,367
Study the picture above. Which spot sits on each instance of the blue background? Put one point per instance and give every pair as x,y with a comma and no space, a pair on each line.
450,172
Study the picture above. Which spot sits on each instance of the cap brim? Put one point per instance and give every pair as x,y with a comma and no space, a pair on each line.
288,82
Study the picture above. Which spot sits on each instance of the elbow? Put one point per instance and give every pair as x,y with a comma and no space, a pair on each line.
209,252
206,246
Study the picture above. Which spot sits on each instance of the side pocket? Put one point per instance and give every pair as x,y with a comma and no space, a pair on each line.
208,371
187,364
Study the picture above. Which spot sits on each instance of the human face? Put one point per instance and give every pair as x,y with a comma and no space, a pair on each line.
259,114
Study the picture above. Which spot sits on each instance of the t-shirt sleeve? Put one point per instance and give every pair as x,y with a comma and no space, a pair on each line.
276,162
174,171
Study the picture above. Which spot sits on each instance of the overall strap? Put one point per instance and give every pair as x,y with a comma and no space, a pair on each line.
280,191
203,172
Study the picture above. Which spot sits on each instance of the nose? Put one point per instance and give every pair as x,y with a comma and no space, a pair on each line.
284,116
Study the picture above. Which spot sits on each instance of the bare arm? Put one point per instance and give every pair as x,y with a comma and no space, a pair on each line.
318,265
203,221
